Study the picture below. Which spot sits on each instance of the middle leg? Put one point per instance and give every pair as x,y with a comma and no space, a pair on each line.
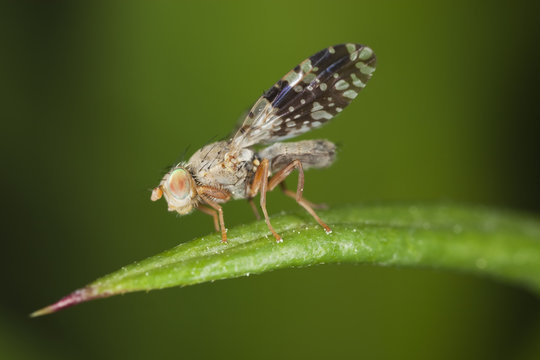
260,183
254,208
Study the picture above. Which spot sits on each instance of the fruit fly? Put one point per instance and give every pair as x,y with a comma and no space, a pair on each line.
307,97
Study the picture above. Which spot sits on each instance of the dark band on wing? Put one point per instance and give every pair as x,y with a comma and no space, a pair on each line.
329,81
308,96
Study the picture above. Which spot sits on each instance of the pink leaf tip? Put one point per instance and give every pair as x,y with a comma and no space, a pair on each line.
76,297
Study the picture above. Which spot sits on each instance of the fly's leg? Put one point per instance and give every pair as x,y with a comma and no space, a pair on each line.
282,175
291,194
212,213
208,193
218,208
260,182
254,208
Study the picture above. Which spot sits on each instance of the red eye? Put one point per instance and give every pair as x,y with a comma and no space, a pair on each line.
178,184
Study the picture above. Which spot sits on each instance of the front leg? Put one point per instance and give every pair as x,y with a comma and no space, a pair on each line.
210,212
207,194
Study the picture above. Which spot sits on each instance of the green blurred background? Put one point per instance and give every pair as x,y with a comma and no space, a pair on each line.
100,97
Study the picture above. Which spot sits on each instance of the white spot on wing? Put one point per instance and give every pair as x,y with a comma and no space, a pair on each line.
306,66
316,106
321,114
308,78
341,85
350,48
293,77
351,94
364,69
365,53
356,81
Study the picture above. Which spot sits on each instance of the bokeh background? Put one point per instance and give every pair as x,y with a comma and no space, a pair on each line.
98,98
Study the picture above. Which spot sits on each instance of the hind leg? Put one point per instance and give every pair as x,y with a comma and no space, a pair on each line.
292,194
282,175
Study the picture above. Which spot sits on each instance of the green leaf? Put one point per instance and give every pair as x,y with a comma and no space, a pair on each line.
499,244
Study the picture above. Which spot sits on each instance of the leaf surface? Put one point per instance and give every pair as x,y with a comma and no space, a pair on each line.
495,243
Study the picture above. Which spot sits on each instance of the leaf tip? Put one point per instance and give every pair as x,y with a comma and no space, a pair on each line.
76,297
44,311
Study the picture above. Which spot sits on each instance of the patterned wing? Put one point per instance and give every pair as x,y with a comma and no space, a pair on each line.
309,95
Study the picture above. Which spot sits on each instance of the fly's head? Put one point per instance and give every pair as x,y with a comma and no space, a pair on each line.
179,189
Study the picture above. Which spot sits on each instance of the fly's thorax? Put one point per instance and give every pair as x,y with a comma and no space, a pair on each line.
222,166
207,156
218,154
179,190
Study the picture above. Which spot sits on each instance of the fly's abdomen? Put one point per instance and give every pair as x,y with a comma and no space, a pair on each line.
311,153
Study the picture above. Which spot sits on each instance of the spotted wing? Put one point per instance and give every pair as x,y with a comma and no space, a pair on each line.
309,95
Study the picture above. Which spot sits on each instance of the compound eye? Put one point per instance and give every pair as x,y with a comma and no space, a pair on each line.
179,185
